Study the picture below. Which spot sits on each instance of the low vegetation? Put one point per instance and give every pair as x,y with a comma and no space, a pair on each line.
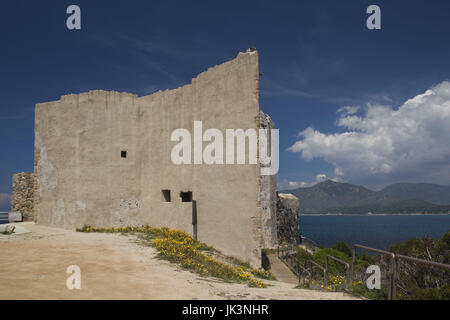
337,272
422,281
180,248
415,281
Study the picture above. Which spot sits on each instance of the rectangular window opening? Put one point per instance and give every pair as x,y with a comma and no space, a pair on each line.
186,196
166,195
123,154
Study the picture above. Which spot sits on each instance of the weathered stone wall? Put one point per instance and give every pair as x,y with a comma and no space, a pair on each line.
22,198
268,197
78,144
82,178
287,218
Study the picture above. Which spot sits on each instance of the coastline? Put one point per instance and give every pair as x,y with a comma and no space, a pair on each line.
377,231
373,214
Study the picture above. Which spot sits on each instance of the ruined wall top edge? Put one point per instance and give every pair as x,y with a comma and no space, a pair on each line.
92,94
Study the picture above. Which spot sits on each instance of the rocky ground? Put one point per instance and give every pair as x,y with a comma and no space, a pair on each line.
33,264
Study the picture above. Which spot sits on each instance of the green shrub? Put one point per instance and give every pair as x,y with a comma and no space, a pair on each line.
344,248
334,267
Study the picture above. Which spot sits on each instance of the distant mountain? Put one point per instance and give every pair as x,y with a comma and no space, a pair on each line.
335,197
432,193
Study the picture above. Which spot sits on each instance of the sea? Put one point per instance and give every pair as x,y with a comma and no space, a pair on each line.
377,231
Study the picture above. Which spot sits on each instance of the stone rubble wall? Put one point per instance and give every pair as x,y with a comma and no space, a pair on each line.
287,218
22,199
268,197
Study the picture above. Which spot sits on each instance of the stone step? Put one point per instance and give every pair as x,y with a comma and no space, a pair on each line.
280,270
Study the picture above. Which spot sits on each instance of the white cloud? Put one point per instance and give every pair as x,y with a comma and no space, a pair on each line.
284,185
348,110
338,172
410,143
298,184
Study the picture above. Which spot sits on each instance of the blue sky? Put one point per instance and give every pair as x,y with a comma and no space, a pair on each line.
316,57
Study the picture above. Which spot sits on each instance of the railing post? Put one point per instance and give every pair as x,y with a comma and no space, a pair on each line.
390,288
348,279
393,280
310,273
326,268
352,271
392,273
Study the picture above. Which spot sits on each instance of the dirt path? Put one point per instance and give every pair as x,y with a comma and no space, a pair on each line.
33,266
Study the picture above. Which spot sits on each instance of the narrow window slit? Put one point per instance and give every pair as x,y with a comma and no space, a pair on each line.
166,195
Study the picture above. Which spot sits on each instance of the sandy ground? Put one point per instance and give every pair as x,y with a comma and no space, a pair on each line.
34,261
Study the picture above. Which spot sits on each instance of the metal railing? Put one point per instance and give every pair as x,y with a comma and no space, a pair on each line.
309,244
312,265
348,274
393,272
287,255
4,216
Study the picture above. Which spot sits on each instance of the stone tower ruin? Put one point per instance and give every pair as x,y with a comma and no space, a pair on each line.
103,159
